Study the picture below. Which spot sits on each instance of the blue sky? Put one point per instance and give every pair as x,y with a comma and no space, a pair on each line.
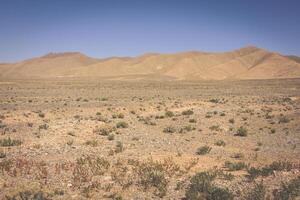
104,28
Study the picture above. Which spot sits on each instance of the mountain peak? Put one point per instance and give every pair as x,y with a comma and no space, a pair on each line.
248,48
63,54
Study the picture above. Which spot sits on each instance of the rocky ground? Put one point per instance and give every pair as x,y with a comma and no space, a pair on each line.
93,139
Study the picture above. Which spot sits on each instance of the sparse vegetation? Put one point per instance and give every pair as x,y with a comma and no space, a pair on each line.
80,149
202,187
269,169
288,191
258,192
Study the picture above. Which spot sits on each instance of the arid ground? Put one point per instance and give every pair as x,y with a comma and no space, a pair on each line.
92,139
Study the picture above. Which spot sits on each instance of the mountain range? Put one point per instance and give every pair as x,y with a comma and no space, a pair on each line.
246,63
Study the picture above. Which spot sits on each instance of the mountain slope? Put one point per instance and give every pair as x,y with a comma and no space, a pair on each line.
50,65
245,63
295,58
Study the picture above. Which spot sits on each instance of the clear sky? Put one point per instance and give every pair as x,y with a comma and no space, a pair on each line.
103,28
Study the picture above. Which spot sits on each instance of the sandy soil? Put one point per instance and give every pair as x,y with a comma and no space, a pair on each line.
142,140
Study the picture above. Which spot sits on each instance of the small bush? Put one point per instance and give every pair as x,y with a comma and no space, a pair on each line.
10,142
243,132
273,130
257,193
27,194
269,169
121,116
43,126
231,121
192,120
202,187
186,129
92,143
106,130
111,137
2,155
283,119
214,100
122,124
169,114
187,112
153,174
119,147
238,155
235,166
288,191
169,129
220,143
203,150
215,128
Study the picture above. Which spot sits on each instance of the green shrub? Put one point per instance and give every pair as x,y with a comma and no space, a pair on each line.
122,124
256,193
222,114
203,150
215,128
104,131
169,129
243,132
28,194
7,142
235,166
153,174
111,137
220,143
169,114
269,169
288,191
2,155
214,100
119,147
273,130
186,128
192,120
92,143
201,187
43,126
187,112
231,121
283,119
121,116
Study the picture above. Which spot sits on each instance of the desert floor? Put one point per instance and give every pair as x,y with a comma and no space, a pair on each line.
91,139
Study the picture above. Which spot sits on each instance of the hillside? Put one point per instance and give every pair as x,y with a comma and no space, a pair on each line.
245,63
295,58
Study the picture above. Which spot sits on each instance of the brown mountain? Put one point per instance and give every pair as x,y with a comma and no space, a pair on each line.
295,58
245,63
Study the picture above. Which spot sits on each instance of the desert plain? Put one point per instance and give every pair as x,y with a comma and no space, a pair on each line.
114,139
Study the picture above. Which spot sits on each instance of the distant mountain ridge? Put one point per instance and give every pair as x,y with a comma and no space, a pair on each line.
246,63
